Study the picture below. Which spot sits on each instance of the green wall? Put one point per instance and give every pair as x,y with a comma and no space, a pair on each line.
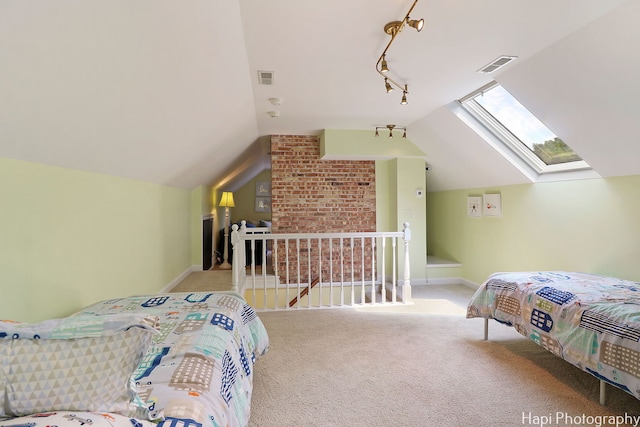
589,225
245,199
345,144
71,238
397,182
201,207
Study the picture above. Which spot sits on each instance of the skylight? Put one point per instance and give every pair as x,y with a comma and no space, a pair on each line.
519,130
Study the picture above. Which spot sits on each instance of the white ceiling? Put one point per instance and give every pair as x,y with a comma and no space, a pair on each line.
167,92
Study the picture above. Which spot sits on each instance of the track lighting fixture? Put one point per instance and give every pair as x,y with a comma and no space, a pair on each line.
393,29
391,129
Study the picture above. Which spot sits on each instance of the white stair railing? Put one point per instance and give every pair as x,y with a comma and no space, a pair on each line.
318,270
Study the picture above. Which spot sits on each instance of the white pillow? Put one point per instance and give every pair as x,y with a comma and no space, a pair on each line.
76,364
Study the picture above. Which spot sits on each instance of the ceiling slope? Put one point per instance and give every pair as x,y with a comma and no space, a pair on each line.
585,88
582,86
168,92
151,90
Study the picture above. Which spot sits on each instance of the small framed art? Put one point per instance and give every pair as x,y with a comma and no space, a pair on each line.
491,205
263,204
474,206
263,189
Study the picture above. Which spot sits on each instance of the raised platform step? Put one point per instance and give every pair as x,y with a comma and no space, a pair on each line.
437,262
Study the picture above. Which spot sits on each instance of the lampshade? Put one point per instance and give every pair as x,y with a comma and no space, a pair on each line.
226,201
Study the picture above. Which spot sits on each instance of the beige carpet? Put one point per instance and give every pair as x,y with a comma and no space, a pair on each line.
419,365
202,281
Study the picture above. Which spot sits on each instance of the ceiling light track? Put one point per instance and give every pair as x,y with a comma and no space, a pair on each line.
394,28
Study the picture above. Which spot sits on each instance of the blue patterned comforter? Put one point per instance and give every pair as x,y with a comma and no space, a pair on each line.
199,369
592,322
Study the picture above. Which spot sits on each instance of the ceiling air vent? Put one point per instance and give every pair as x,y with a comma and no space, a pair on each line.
265,77
496,63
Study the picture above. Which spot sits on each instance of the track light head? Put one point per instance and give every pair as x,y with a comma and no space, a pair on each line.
390,127
383,67
404,95
388,86
418,24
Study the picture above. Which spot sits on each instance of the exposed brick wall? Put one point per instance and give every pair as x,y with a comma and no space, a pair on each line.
310,195
313,195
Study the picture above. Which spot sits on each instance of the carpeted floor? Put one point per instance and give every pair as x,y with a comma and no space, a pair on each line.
417,365
412,365
202,281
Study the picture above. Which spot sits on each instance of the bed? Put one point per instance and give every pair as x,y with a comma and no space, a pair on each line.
176,359
592,322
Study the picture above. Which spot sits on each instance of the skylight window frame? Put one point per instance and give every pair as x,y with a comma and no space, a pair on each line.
509,140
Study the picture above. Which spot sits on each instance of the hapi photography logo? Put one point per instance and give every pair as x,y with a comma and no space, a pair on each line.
565,419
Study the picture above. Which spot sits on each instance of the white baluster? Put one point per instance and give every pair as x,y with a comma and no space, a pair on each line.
309,278
331,271
383,251
320,271
341,271
373,270
362,292
298,271
394,267
286,270
353,278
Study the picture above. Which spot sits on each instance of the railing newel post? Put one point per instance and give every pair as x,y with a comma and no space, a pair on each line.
406,284
235,270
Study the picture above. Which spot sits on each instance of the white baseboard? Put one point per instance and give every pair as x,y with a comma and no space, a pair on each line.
180,278
472,285
414,282
447,281
439,281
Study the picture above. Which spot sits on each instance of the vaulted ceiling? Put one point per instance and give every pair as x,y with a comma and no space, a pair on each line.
168,92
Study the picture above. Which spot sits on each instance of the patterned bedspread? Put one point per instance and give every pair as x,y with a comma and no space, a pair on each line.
199,369
592,322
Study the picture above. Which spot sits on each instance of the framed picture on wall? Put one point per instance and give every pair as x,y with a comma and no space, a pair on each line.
263,188
263,204
474,206
491,205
